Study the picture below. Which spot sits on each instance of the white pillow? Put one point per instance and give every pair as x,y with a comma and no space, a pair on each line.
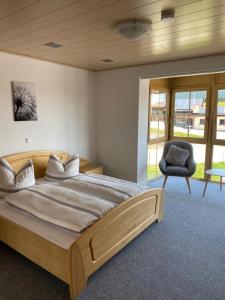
11,182
57,170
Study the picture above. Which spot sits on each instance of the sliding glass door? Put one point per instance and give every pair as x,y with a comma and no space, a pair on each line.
218,131
190,122
201,123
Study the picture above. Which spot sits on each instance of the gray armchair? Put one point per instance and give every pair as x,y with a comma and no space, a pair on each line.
181,171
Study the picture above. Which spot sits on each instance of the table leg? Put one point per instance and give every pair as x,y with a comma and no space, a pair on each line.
206,183
221,182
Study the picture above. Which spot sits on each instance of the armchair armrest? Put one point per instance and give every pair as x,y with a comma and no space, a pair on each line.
162,164
191,166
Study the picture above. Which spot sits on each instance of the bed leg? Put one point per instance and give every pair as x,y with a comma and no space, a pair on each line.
76,290
78,281
161,207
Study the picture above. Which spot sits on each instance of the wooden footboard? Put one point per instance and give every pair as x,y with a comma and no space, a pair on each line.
111,233
94,247
44,253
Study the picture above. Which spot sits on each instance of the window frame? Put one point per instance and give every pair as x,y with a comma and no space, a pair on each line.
163,138
215,141
201,140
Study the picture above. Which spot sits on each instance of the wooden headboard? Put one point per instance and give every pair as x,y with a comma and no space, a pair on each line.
39,158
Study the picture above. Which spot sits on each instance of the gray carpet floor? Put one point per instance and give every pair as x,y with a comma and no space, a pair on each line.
183,257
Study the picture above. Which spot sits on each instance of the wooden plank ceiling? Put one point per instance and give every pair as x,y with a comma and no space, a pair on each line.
85,29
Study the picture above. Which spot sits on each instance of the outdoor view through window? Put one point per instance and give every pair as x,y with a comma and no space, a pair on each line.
189,121
189,114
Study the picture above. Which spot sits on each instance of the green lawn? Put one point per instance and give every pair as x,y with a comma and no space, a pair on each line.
176,133
154,171
200,169
183,134
221,103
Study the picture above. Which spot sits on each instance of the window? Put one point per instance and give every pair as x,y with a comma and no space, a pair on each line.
157,115
199,156
154,155
218,160
158,129
220,115
189,114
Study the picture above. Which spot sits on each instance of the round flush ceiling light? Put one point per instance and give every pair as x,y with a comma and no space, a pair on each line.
133,29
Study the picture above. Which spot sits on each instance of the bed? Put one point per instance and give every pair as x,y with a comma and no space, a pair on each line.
71,257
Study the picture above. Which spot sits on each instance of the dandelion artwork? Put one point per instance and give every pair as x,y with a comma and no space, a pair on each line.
24,101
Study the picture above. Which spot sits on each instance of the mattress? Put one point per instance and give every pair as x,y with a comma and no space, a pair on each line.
57,235
110,188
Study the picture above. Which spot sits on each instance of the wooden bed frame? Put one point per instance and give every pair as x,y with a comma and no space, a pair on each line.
96,245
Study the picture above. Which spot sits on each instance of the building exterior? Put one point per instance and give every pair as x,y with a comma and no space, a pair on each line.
184,117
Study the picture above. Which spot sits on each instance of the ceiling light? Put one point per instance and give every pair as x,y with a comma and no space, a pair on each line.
53,45
167,15
107,60
133,29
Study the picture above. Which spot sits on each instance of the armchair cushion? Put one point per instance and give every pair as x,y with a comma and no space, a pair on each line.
177,156
177,171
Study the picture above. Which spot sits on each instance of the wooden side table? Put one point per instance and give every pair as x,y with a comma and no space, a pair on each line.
90,169
214,172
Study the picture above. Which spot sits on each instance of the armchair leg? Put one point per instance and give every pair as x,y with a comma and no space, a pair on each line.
188,183
164,182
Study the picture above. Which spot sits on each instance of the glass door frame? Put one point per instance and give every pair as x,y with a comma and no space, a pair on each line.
172,114
207,129
163,138
215,141
159,140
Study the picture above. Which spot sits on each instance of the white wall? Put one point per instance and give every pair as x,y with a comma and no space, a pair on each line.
68,109
121,112
66,103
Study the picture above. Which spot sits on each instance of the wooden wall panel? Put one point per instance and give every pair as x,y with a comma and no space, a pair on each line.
191,81
220,79
85,28
163,83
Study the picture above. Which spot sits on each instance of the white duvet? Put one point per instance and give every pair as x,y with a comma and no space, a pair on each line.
76,203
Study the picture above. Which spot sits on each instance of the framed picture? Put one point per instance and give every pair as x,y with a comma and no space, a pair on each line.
24,101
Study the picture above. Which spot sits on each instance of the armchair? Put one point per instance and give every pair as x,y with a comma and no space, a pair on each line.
181,171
